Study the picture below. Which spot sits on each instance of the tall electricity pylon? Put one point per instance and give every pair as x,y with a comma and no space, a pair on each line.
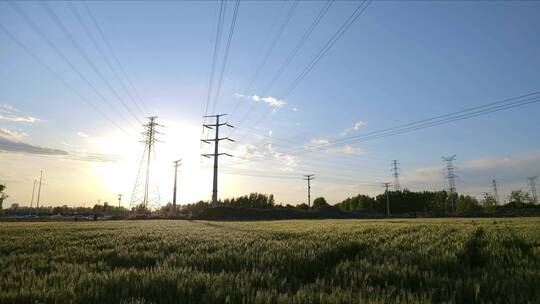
216,153
386,185
309,178
495,191
451,179
176,165
532,181
142,196
33,191
395,174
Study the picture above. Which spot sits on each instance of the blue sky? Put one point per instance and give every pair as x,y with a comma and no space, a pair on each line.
399,62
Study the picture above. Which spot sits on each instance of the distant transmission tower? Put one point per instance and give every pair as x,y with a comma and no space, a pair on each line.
216,153
451,180
496,192
386,185
532,181
142,195
395,173
309,178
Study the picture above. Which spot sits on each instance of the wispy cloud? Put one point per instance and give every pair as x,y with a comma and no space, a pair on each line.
273,102
9,145
10,142
10,113
11,135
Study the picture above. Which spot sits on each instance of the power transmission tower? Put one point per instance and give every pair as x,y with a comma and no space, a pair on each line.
532,181
142,196
495,192
451,179
216,153
309,178
176,165
33,191
395,174
386,185
120,200
39,189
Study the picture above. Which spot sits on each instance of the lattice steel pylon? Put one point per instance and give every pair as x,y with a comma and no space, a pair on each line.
451,176
145,193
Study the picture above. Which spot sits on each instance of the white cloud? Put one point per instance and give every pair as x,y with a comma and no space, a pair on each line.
250,152
319,142
11,135
8,112
269,146
347,149
289,161
295,109
270,133
83,135
273,102
357,126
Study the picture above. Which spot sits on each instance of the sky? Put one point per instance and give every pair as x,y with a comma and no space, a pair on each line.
78,79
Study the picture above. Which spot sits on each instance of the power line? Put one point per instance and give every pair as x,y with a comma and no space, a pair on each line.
217,44
438,120
496,106
226,56
81,51
216,153
60,78
335,37
113,54
102,53
265,58
331,42
215,55
298,45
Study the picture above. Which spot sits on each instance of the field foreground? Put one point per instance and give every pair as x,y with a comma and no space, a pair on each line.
326,261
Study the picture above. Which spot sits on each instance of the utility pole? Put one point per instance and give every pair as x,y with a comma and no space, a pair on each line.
395,173
33,191
386,185
532,181
39,189
216,153
120,200
309,178
451,179
150,133
176,165
495,191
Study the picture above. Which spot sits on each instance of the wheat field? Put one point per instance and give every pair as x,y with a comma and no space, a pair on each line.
319,261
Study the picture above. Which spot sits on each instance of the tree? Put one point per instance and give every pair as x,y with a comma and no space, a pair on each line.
3,196
320,202
489,203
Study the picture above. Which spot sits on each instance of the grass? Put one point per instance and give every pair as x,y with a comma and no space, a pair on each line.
326,261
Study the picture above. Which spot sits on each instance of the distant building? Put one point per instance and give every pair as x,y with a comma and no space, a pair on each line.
14,206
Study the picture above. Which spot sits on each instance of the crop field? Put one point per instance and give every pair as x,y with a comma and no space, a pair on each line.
324,261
